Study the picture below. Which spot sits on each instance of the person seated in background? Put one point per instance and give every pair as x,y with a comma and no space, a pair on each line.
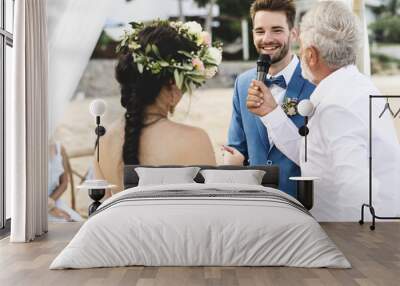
158,63
58,182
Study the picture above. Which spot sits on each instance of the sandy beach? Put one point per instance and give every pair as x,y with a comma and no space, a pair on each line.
209,109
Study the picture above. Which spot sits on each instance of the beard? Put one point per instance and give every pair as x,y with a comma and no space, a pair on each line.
305,71
280,54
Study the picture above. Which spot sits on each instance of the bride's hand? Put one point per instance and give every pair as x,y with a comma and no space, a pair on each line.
232,156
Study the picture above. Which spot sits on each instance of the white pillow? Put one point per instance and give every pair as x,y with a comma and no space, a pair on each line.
165,176
248,177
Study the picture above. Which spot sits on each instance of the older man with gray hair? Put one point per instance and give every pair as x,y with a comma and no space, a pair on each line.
338,141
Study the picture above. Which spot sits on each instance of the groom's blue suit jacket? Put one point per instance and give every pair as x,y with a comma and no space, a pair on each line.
248,134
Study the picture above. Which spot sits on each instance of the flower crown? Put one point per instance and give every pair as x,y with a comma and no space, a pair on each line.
192,71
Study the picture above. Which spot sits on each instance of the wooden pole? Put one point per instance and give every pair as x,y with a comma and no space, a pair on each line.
245,39
180,11
209,19
363,55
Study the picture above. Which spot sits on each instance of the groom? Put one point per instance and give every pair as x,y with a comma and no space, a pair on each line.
248,139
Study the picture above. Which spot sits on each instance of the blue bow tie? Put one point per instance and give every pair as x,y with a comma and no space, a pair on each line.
279,81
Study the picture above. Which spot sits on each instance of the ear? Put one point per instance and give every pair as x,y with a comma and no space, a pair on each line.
294,34
312,55
174,93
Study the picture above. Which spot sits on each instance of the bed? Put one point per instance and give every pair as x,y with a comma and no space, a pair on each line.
201,224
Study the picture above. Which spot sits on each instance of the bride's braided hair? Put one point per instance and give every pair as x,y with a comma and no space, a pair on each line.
139,90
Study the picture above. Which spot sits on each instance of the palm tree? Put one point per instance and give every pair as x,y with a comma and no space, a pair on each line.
393,6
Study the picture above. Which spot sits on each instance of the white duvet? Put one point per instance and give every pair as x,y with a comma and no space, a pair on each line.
183,231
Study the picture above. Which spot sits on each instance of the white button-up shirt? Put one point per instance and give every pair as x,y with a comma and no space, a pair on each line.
338,148
278,93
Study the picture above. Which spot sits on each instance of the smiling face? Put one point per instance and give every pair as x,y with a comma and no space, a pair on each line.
272,35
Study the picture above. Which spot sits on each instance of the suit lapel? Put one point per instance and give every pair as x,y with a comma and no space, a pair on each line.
296,84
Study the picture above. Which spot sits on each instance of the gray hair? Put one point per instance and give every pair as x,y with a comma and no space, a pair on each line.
333,30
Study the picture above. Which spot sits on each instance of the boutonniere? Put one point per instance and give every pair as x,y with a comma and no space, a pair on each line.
289,106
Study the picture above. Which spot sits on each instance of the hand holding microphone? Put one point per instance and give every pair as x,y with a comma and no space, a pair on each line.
259,98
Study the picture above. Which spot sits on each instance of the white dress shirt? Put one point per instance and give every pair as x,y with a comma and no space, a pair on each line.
278,92
338,148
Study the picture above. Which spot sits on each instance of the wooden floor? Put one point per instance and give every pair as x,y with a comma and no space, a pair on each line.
374,255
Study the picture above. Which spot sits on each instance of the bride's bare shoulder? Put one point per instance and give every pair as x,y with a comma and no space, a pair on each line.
192,132
194,141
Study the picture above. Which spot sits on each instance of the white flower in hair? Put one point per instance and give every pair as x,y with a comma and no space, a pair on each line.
215,55
210,72
193,28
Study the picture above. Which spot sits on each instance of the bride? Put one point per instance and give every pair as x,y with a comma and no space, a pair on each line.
157,65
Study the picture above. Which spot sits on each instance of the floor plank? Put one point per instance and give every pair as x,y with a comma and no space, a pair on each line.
374,255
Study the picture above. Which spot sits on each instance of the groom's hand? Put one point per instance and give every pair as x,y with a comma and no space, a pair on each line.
232,156
259,99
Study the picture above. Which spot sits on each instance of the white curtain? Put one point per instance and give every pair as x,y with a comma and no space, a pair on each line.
74,28
27,122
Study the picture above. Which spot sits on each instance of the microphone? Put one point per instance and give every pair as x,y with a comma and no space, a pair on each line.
263,64
306,109
97,108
